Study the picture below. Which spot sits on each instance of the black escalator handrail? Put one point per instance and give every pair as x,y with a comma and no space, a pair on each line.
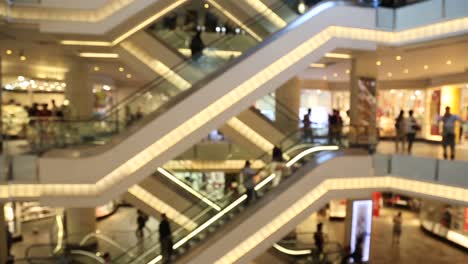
182,65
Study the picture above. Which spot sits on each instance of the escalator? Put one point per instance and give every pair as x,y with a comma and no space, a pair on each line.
178,114
314,181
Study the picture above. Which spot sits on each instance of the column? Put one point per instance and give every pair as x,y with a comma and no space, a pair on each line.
79,223
363,102
3,236
79,90
288,97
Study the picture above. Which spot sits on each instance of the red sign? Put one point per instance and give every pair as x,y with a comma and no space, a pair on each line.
466,219
376,203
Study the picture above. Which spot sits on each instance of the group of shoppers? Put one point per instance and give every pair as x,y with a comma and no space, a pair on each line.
335,127
407,127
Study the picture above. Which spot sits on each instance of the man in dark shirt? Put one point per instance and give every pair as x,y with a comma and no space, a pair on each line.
165,239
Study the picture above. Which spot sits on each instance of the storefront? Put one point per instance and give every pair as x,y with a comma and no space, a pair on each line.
428,105
449,222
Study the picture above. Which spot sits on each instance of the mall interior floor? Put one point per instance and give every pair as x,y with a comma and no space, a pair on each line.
415,247
424,149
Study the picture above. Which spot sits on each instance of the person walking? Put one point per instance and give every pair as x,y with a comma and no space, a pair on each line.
397,228
307,129
249,182
197,46
319,240
165,239
448,131
142,218
412,127
400,132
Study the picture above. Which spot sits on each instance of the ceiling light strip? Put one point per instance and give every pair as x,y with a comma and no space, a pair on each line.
261,8
188,189
250,134
62,14
211,164
98,55
160,206
235,20
156,65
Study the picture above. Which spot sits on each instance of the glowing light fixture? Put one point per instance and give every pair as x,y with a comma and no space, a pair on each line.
406,71
378,63
301,7
206,5
348,71
398,58
129,76
389,74
317,65
338,55
121,69
426,67
96,68
98,55
335,74
448,62
8,52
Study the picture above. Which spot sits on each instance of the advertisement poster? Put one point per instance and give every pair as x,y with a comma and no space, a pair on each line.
376,198
466,219
435,112
361,227
367,111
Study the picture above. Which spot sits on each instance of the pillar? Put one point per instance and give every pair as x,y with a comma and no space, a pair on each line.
79,223
3,236
79,90
363,102
288,96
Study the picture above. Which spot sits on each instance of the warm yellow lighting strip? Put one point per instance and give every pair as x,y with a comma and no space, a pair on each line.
231,98
261,8
235,20
86,43
340,184
151,200
62,14
224,54
148,21
157,66
317,65
296,252
153,18
188,189
337,55
98,55
60,232
207,165
250,134
308,152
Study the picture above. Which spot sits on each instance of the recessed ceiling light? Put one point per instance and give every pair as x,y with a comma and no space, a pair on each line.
337,55
9,52
129,76
121,69
348,71
392,91
23,58
20,78
207,5
398,58
335,74
378,63
406,71
96,68
426,67
448,62
389,74
317,65
325,78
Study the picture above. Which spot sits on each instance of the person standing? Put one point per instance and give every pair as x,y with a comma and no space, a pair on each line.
142,218
197,46
307,129
249,182
397,228
165,239
277,165
319,239
448,131
400,131
411,129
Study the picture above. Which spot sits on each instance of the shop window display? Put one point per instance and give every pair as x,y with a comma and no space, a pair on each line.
390,102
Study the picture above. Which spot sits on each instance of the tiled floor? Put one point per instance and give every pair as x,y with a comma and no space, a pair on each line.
423,149
415,247
118,229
